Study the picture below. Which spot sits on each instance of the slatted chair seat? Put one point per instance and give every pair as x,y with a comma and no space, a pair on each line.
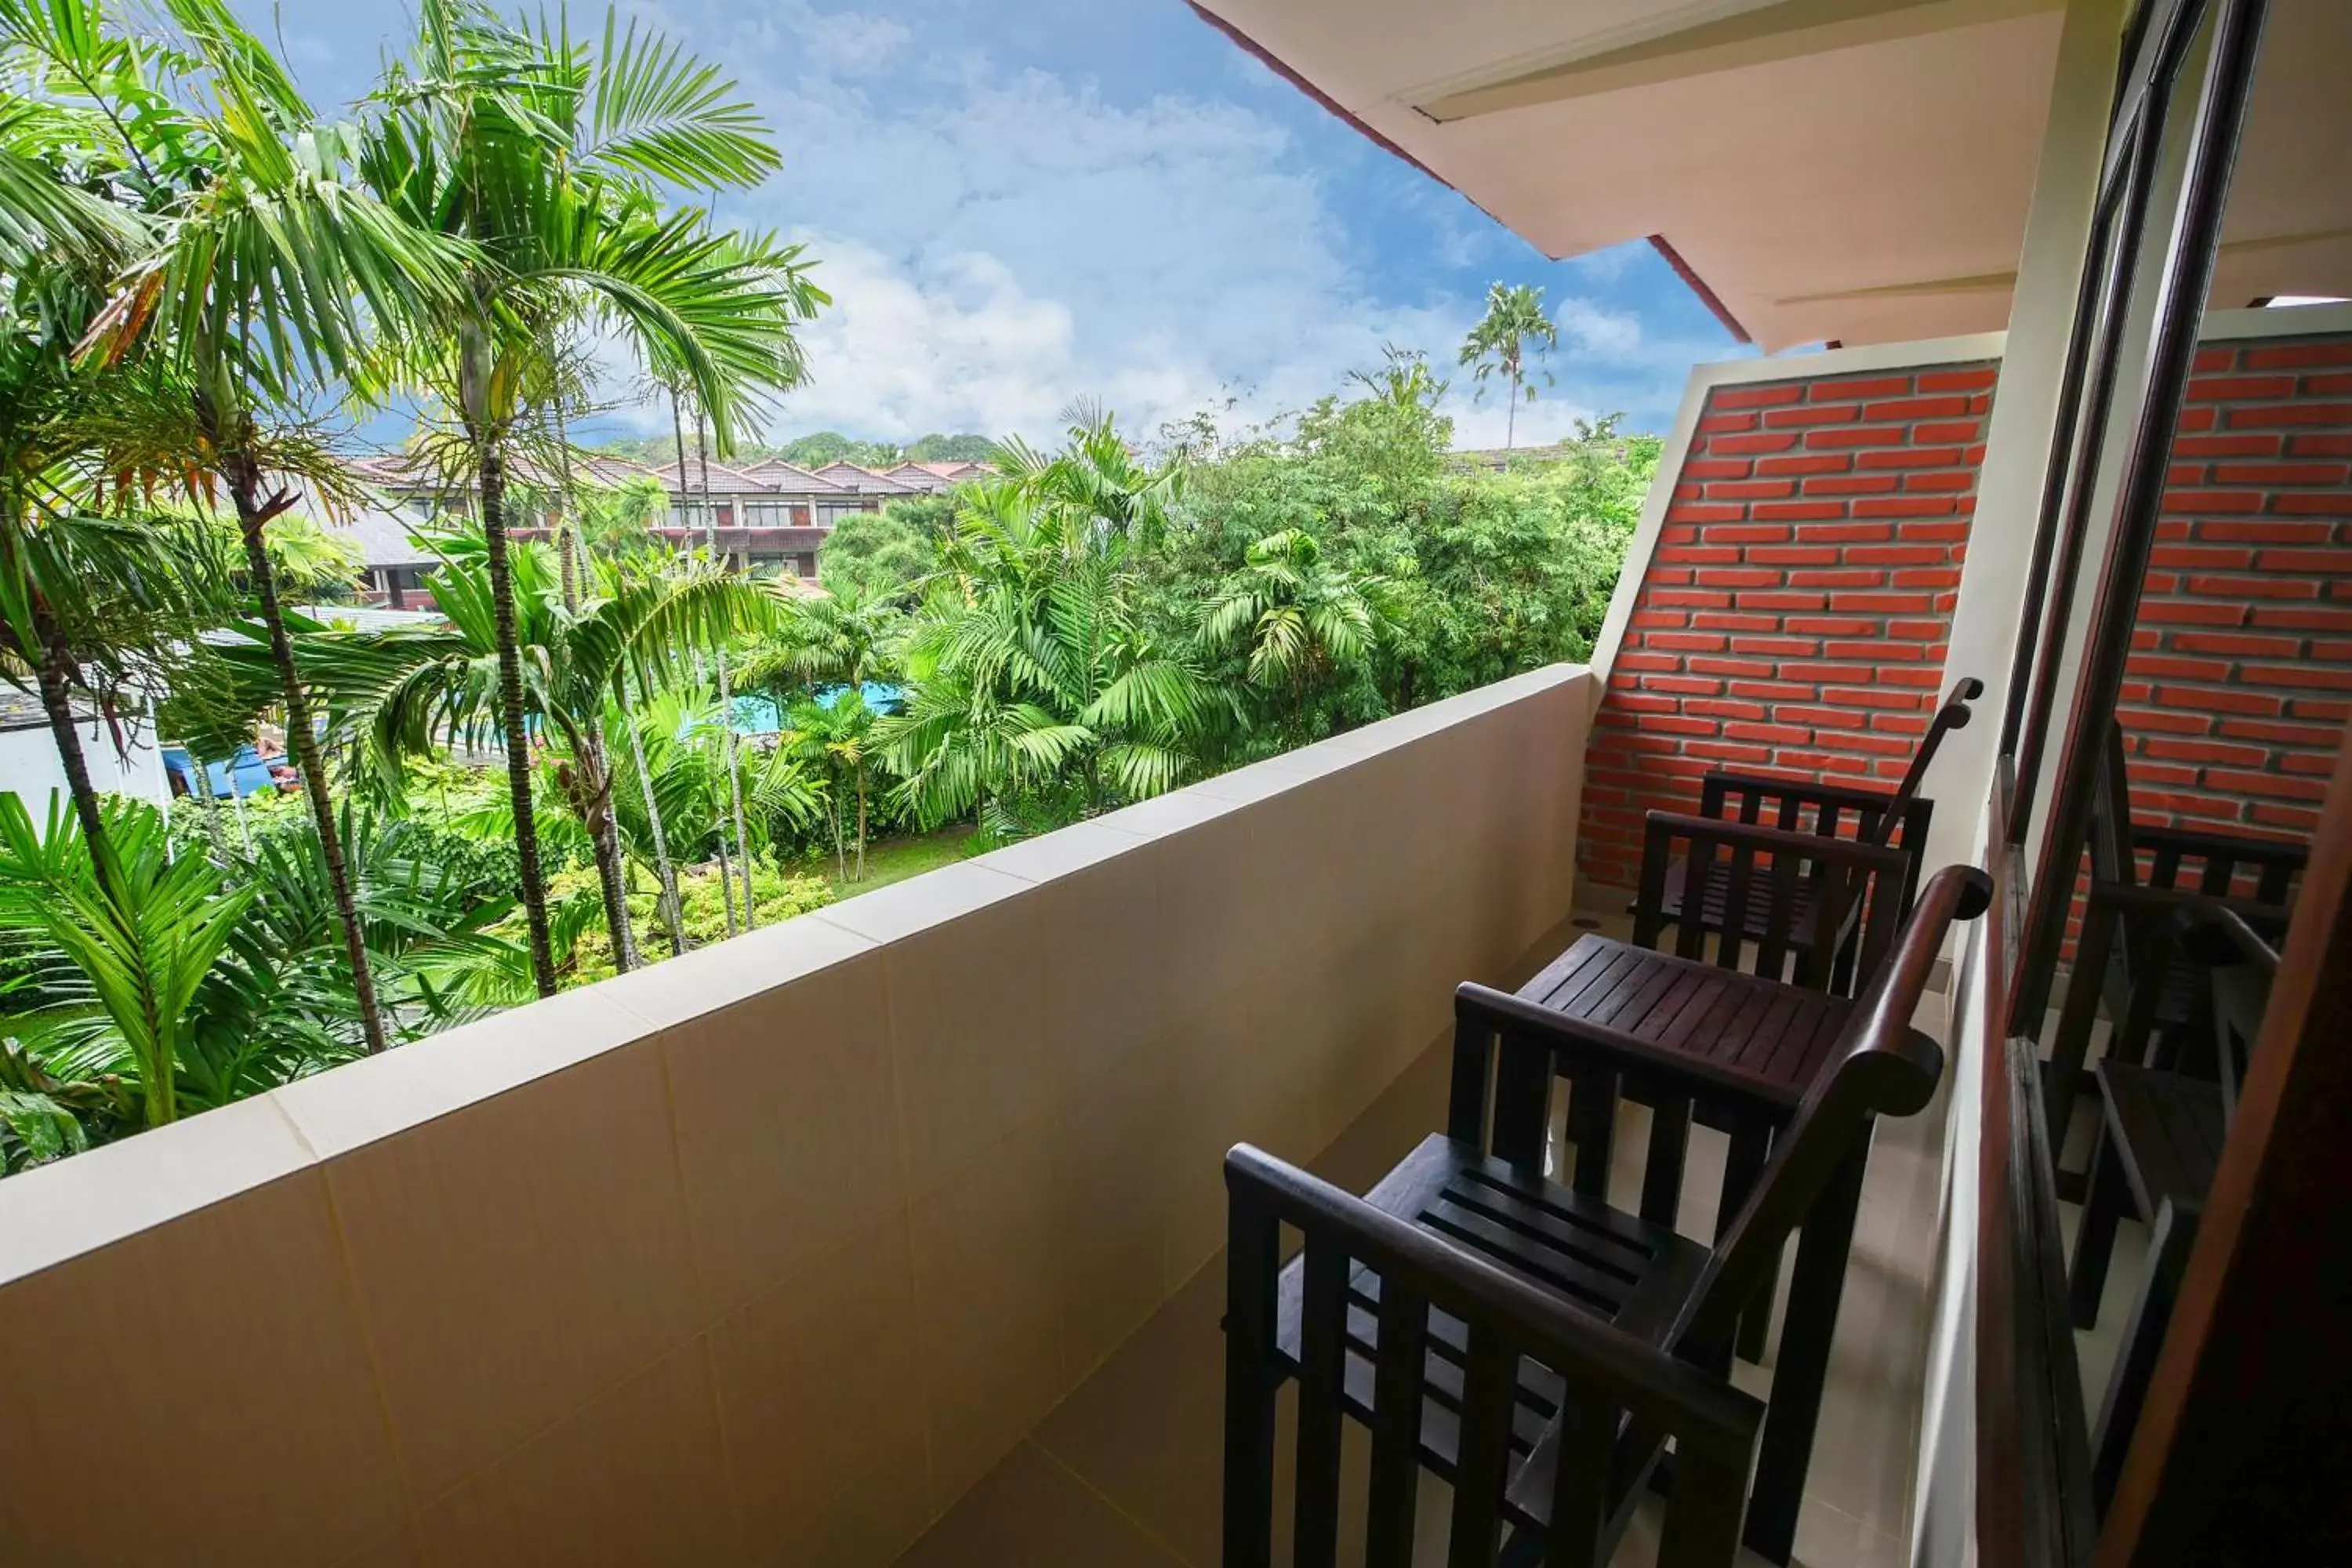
1770,1038
1794,905
1536,1346
1635,1273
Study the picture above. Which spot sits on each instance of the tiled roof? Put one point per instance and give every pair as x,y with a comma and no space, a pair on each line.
934,477
383,535
788,476
601,468
866,482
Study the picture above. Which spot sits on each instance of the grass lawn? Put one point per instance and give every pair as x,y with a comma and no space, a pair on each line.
890,860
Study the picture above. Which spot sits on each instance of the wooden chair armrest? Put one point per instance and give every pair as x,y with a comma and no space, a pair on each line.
1584,1348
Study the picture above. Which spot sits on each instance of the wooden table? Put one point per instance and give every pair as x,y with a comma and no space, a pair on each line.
1762,1042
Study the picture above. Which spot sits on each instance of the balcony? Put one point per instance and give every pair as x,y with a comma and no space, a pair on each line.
772,1253
1125,1470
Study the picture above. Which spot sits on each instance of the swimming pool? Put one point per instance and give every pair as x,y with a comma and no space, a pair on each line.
758,714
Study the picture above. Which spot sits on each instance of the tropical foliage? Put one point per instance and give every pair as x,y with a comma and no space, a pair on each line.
607,746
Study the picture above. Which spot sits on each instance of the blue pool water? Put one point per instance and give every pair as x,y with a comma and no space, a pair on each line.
759,715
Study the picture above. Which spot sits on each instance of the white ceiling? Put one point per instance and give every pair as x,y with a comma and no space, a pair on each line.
1856,170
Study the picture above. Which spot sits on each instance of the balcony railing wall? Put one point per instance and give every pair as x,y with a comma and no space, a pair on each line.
765,1254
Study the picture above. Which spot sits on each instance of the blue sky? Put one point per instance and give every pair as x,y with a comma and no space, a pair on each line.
1027,201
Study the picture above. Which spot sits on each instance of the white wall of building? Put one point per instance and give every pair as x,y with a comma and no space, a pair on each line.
30,768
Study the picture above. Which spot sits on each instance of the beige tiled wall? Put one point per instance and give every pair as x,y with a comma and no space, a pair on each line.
764,1255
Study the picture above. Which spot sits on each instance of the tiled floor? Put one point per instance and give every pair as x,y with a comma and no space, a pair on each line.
1124,1474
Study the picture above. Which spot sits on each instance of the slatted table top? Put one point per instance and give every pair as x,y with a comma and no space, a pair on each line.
1770,1034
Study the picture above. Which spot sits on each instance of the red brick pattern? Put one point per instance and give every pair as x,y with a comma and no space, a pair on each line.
2241,681
1796,610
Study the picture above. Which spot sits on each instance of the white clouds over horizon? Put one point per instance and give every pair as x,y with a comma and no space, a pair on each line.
1000,241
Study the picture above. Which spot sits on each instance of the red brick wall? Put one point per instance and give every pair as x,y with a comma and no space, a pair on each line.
2238,690
1795,613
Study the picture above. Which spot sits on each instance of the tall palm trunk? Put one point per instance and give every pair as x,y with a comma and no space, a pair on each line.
57,671
1511,417
605,838
158,1090
492,477
591,794
840,845
673,917
685,499
253,515
208,805
603,831
726,694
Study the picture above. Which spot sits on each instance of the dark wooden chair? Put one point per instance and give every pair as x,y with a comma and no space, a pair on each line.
1783,892
1874,816
2153,1156
2147,883
1522,1342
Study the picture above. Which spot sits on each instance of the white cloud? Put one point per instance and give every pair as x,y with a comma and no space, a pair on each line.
851,44
998,243
949,343
1610,265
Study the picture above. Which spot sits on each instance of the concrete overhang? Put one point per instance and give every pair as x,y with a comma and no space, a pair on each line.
1849,169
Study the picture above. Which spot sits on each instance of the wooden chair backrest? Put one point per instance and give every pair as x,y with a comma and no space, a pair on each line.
1616,1379
1878,1067
1813,897
1953,715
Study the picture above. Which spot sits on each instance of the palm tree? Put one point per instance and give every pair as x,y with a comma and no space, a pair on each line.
539,154
1096,476
403,693
1403,383
266,270
619,521
673,386
631,720
847,637
98,590
134,962
130,1012
1301,618
1037,691
1515,319
726,688
847,640
836,739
